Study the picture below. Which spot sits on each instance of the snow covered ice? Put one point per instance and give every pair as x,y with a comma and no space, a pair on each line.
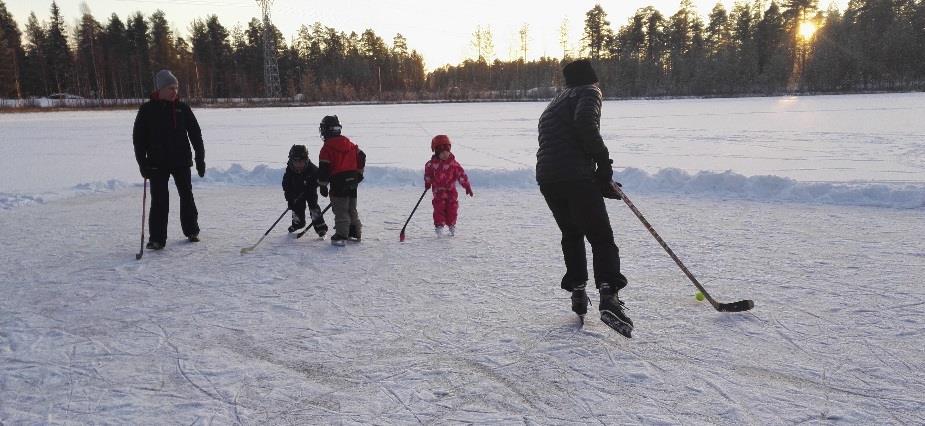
810,206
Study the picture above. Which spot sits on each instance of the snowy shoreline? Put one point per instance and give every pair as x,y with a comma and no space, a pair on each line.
725,185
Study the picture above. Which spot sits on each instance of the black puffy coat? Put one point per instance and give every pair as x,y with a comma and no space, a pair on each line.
163,133
305,184
569,136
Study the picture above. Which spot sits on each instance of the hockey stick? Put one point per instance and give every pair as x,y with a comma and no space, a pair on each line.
742,305
144,203
251,248
312,225
401,236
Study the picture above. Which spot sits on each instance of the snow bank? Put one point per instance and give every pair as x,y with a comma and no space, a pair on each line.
670,180
9,201
374,175
774,188
675,181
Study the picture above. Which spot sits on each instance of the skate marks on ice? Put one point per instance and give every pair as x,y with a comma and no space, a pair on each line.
469,329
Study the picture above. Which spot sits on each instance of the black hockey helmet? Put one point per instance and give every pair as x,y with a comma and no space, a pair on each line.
329,127
298,152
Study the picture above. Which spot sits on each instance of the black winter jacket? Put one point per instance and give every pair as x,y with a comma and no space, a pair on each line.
570,137
305,184
162,135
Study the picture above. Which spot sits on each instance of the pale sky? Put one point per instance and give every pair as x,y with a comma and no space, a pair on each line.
440,30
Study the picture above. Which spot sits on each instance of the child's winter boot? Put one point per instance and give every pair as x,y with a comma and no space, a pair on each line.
321,229
296,223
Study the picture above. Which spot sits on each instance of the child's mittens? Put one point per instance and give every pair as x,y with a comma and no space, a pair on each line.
323,190
469,191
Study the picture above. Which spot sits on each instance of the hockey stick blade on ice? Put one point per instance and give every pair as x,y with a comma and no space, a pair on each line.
251,248
401,235
740,306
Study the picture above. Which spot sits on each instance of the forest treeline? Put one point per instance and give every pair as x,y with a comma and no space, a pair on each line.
757,47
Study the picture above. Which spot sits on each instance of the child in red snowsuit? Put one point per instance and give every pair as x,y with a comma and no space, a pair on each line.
441,173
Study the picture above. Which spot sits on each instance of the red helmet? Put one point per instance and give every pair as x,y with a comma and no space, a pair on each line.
438,141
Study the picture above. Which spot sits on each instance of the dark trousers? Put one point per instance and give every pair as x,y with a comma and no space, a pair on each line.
298,208
160,204
579,210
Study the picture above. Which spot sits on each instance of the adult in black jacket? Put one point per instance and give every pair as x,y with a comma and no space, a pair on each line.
574,172
164,129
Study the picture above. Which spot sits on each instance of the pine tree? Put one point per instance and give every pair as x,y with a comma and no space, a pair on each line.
162,43
115,51
35,78
12,55
597,32
139,56
88,57
58,54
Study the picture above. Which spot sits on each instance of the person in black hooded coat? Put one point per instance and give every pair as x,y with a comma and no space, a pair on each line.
164,129
574,172
300,187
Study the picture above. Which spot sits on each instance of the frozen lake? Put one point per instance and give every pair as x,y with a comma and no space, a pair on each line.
474,328
871,138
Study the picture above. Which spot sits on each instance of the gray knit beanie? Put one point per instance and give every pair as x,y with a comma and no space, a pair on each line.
164,78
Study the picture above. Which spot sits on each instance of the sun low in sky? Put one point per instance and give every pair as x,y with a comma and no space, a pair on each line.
807,29
441,30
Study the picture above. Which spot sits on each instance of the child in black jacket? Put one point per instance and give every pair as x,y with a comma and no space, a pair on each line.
300,186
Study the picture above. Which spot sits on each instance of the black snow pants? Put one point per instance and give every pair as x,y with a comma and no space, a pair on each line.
160,204
579,210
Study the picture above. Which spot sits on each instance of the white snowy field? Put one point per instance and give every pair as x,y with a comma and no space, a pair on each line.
873,138
468,329
812,207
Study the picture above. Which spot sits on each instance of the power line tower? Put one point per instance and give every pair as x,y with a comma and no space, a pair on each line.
270,67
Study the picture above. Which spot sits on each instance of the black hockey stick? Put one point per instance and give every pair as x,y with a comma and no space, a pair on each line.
312,225
401,236
742,305
144,202
251,248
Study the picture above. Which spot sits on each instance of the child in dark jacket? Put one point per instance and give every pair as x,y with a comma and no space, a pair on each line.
300,186
441,173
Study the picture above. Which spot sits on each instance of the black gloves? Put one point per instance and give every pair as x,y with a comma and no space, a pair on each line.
610,191
201,167
604,178
323,190
146,170
604,172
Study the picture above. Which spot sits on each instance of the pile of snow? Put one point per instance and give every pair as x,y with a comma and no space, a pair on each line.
725,185
774,188
92,187
375,175
9,201
672,181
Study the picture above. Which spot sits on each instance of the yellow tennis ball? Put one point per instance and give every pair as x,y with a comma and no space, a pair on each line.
699,296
